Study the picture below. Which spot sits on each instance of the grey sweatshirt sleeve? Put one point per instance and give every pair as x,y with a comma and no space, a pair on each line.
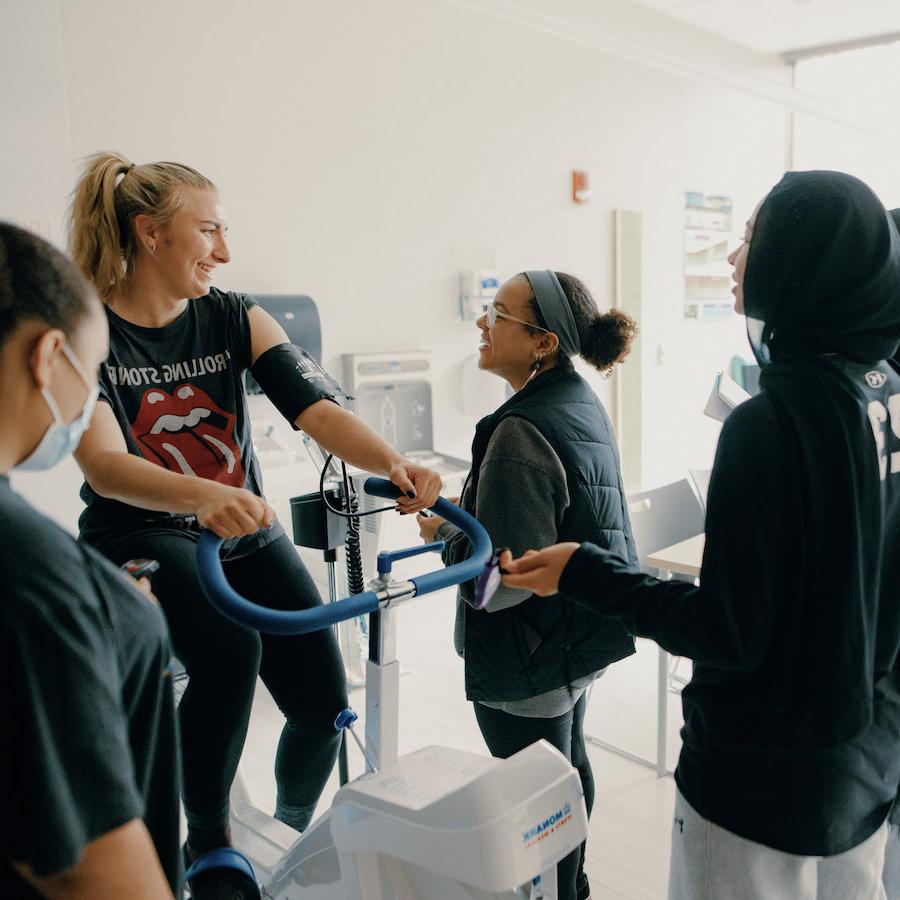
522,496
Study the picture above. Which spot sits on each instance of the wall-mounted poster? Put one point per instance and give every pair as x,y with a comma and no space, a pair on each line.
708,238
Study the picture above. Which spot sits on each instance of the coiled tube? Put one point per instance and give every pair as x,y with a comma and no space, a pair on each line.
356,582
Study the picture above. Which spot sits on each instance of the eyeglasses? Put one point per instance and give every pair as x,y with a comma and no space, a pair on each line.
493,314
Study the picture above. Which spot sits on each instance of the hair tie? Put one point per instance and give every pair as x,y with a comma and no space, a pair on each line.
120,177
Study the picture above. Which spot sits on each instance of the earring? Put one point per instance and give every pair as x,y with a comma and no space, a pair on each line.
535,367
151,248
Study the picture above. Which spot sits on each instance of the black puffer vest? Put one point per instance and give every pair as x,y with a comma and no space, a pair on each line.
545,643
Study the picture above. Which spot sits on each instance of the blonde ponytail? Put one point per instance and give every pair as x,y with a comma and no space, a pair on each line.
111,192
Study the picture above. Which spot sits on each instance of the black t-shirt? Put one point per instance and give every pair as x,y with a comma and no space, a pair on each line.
90,739
792,716
178,395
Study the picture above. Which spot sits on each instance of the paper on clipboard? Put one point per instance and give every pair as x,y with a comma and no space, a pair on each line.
724,397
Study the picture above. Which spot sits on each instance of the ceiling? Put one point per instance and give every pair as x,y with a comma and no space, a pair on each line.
779,26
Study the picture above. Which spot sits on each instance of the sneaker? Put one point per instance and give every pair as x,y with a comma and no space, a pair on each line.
221,874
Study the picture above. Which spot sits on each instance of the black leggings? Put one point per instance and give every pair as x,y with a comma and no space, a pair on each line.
506,734
304,674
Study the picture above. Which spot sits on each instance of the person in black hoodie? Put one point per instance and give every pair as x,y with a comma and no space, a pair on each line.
791,756
892,852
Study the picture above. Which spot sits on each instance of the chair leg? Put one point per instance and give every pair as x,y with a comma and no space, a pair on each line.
676,681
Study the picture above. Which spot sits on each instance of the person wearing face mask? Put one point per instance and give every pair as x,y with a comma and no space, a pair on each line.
88,756
544,468
169,452
791,754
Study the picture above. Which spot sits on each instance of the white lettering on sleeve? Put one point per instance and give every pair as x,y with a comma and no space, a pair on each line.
877,418
894,410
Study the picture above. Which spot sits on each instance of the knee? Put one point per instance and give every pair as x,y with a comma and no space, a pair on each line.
316,720
320,716
336,696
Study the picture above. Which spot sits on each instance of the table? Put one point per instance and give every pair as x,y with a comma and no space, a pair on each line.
680,559
683,558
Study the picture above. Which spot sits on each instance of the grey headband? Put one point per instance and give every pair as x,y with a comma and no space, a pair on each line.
556,310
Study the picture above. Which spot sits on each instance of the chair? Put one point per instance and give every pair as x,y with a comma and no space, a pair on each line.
664,516
700,479
660,518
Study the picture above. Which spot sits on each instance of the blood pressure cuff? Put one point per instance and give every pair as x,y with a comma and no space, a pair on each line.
293,380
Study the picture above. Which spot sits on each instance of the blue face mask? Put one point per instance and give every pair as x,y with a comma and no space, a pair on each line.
60,439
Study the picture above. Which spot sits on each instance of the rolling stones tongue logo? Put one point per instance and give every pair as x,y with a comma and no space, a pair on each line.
186,431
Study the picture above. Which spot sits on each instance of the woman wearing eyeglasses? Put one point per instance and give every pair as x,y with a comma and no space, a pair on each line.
544,465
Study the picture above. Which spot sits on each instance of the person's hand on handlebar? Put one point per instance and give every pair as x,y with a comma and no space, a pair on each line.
231,511
428,526
421,486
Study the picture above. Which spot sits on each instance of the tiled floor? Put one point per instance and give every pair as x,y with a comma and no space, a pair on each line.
629,831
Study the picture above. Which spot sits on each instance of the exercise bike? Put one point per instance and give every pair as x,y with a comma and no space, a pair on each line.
435,824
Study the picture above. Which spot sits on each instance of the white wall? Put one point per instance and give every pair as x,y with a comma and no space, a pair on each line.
35,155
367,152
36,175
861,83
821,144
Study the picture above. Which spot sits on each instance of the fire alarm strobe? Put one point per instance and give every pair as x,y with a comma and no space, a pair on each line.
581,187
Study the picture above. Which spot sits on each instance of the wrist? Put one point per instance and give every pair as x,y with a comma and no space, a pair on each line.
445,531
397,462
196,493
577,571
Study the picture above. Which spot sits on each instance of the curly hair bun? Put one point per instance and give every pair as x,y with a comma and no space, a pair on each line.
609,339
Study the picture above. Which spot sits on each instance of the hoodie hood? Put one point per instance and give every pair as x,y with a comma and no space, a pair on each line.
895,215
823,271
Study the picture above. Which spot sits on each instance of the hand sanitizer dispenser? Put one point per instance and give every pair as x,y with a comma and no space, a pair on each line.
476,290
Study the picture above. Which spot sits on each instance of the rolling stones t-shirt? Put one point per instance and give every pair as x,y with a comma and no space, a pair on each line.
178,395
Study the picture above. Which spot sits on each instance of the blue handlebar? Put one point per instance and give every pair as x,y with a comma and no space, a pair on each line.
269,621
387,558
273,621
